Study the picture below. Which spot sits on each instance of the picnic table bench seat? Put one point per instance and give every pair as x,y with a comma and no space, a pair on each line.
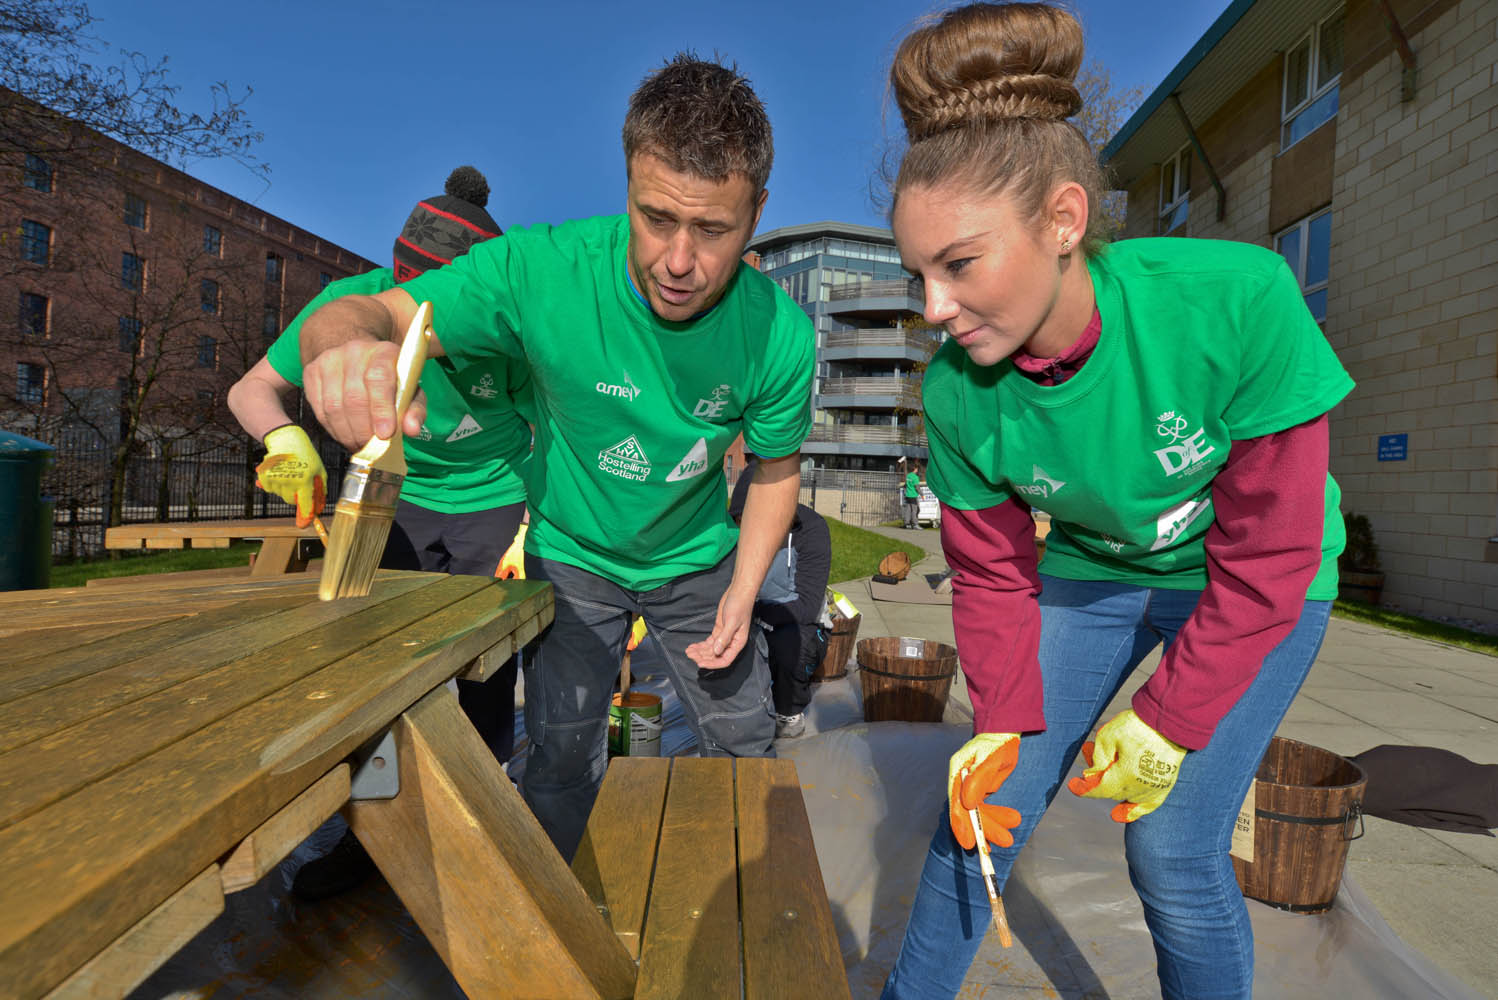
283,546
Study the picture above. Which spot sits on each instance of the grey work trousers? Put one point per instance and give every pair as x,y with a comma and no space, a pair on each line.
570,680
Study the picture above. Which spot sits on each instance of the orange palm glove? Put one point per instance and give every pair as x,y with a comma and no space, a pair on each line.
512,565
1130,762
293,471
989,757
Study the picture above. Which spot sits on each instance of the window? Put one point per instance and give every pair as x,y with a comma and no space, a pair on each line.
207,352
270,324
273,267
132,271
324,280
1175,192
1313,69
38,173
1306,247
31,382
213,241
129,334
36,242
33,315
135,211
208,296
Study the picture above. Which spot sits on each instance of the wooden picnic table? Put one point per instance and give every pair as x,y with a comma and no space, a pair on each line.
159,749
280,547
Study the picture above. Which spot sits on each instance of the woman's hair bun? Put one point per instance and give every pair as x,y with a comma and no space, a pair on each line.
986,62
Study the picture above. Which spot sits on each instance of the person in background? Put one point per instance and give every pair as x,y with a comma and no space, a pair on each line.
653,346
792,627
1165,400
912,500
464,497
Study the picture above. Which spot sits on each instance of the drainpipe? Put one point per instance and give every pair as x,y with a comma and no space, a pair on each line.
1406,54
1201,154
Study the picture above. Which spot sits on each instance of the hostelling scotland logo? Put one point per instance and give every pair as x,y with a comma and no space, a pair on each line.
626,460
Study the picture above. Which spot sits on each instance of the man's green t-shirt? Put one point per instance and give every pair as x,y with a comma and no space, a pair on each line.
1203,343
634,413
474,446
912,486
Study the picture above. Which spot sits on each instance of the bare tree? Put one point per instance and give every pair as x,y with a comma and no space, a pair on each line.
1104,110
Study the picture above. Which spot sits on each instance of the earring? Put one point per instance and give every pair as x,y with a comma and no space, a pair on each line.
1066,246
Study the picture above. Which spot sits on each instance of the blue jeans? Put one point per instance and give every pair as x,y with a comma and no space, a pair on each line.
1093,635
570,680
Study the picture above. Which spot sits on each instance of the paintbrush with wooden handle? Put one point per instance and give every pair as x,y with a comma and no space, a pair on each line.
985,863
372,484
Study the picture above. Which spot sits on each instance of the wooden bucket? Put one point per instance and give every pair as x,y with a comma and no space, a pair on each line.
1307,804
905,679
834,661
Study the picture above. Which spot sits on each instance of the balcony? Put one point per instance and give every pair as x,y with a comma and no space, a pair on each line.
896,344
896,295
886,392
866,434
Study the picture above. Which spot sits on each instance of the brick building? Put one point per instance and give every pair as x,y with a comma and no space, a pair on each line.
121,275
1360,139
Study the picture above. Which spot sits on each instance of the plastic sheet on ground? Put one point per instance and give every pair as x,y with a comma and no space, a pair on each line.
873,803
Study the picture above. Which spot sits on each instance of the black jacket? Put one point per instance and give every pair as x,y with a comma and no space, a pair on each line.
813,544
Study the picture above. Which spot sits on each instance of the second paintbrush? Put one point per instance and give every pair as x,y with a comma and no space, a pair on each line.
372,484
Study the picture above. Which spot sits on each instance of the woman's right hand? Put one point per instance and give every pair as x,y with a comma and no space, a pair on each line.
988,758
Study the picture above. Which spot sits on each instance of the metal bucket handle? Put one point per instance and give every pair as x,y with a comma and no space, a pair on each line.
1354,814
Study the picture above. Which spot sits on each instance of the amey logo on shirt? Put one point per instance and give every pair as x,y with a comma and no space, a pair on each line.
626,460
713,404
484,388
694,464
1044,486
1187,452
627,390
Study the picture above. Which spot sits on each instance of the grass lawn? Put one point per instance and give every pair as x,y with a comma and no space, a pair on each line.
1423,628
856,551
76,574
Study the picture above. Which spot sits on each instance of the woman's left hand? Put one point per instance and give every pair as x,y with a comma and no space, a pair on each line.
1130,762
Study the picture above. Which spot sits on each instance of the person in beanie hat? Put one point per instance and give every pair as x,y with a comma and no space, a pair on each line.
441,229
463,499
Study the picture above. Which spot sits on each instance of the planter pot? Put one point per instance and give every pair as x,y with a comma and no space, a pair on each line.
1364,587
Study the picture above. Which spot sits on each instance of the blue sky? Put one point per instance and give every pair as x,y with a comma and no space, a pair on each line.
367,106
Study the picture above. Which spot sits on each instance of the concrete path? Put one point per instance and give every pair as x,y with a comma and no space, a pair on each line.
1369,686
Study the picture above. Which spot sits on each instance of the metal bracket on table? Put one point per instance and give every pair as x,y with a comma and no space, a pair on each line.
376,769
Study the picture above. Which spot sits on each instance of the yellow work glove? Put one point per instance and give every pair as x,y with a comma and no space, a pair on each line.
1130,762
293,471
989,757
512,564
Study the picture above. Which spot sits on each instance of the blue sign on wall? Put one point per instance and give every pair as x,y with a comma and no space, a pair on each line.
1393,447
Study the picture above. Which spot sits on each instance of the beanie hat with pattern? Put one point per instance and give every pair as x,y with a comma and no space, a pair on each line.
440,229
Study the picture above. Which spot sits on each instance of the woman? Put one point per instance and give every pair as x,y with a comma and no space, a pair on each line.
1165,401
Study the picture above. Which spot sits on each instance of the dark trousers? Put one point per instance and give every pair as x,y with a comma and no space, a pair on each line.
793,659
468,544
570,680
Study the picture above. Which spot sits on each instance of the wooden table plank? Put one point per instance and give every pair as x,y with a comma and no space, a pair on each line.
105,850
142,949
70,745
692,929
616,858
191,676
130,536
278,836
50,642
789,935
478,873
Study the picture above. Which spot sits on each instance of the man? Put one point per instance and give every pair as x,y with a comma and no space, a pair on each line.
463,497
651,347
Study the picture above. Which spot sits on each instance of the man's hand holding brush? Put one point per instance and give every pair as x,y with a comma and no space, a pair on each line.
349,347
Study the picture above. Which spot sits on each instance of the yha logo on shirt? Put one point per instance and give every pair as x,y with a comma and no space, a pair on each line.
627,390
694,464
712,405
1187,452
1044,486
467,427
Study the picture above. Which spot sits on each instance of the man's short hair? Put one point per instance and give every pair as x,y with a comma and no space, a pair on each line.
701,118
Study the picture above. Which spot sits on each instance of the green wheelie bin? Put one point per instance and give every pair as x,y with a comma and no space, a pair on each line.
25,515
